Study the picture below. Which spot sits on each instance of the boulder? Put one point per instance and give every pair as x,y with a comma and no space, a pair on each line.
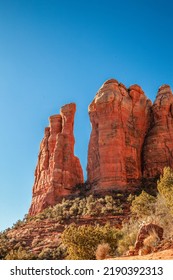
145,231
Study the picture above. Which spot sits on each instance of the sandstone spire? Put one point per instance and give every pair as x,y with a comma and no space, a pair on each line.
58,170
120,120
158,148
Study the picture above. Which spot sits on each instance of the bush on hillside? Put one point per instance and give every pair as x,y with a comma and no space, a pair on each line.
129,233
4,245
165,187
81,207
82,241
102,251
143,205
58,253
19,254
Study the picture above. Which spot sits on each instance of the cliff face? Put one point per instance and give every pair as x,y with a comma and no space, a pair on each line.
58,170
120,119
131,139
158,148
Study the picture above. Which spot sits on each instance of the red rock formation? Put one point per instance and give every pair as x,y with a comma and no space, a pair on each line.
145,231
158,148
58,170
130,139
120,120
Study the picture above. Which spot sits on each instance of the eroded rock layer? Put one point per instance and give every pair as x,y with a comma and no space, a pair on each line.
58,170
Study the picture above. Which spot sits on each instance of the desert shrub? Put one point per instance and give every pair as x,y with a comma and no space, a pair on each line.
74,210
19,254
144,208
129,233
130,198
120,195
18,224
165,187
82,241
163,216
4,245
160,209
58,253
80,207
147,208
143,205
92,208
112,206
102,251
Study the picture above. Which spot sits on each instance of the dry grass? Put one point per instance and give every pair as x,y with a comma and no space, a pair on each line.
102,251
152,240
162,255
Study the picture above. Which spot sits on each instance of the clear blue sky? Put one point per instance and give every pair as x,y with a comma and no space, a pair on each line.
55,52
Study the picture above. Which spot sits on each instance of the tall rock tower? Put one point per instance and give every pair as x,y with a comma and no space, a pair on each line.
158,147
58,170
120,119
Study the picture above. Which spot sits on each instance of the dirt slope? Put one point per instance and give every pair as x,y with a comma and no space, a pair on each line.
161,255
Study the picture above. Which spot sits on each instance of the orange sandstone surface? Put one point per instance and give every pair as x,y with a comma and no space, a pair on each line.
58,169
158,147
120,120
131,140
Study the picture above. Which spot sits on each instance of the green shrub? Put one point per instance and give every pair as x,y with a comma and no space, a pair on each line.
129,233
82,241
143,205
165,187
58,253
4,245
19,254
81,207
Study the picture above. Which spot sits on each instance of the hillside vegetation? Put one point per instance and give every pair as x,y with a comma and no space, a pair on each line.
92,227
